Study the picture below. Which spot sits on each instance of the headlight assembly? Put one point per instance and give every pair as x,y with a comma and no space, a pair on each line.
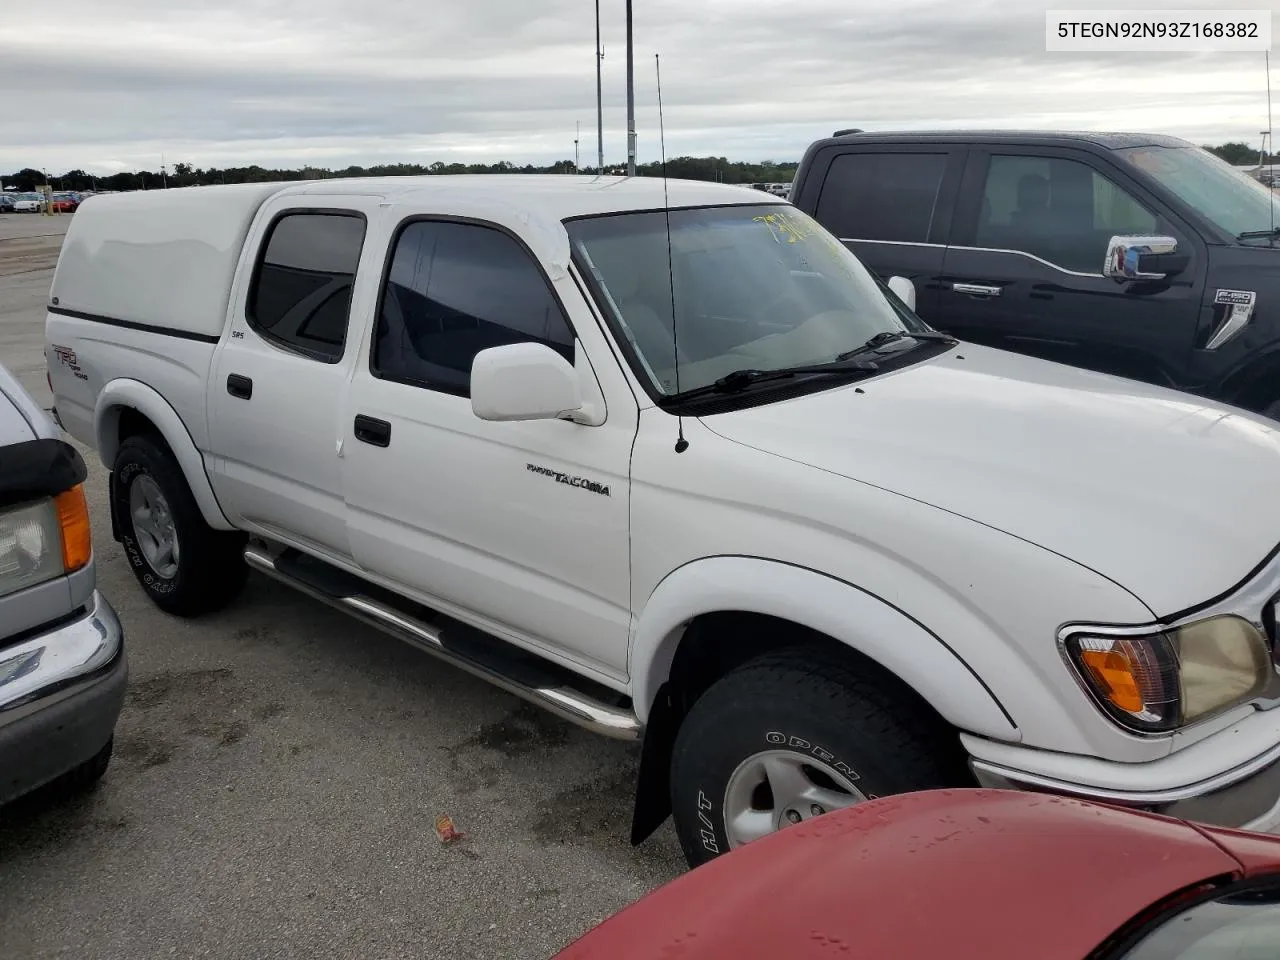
43,540
1158,682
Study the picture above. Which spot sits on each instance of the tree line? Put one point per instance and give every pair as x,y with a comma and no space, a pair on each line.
717,169
186,175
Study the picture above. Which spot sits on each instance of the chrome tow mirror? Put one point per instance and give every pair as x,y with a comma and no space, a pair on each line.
1125,253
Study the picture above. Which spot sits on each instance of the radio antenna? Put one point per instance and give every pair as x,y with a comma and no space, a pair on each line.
681,443
1272,146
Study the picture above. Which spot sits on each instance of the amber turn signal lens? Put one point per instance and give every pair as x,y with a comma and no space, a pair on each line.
1115,677
73,518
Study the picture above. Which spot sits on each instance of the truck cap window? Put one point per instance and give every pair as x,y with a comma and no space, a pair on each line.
1230,200
1059,210
453,290
882,196
759,287
301,293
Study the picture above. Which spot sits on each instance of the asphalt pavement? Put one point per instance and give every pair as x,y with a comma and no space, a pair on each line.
279,769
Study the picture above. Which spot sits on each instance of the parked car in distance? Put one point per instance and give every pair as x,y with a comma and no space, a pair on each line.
6,203
810,549
1133,254
63,670
64,202
966,874
28,203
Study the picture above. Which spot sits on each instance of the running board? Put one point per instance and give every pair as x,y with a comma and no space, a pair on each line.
487,658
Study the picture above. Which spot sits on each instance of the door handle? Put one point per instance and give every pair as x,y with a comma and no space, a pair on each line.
239,386
372,430
977,289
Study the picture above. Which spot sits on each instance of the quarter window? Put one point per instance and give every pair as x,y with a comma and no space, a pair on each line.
301,295
1059,210
453,290
882,196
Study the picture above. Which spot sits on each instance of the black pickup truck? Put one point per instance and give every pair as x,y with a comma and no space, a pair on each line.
1139,255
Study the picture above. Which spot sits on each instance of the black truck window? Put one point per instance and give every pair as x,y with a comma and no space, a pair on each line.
1059,210
455,289
301,292
881,196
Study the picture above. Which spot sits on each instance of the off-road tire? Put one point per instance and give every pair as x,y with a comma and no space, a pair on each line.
808,701
211,568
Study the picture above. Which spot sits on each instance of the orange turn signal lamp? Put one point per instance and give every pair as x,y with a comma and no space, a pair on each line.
73,520
1116,677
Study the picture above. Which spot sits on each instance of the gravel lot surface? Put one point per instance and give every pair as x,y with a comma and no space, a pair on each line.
278,772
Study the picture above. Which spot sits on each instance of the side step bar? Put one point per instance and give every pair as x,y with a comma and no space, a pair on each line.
539,687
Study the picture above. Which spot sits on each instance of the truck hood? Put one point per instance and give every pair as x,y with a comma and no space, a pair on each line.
1174,498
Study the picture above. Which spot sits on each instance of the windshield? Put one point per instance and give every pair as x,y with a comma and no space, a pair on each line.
1229,199
1242,926
755,287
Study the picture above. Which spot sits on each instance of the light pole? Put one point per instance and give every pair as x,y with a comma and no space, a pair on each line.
631,100
599,96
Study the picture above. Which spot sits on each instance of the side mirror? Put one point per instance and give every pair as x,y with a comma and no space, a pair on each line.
905,291
523,381
1125,255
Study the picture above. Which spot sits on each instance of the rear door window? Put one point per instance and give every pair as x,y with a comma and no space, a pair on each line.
882,196
301,293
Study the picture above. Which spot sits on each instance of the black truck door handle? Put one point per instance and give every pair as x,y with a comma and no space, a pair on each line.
239,386
374,431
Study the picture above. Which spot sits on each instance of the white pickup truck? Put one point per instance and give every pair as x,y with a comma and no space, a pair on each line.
676,466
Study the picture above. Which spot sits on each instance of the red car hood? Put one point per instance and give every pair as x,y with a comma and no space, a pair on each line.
951,873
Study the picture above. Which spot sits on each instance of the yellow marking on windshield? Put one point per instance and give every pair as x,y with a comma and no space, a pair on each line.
780,225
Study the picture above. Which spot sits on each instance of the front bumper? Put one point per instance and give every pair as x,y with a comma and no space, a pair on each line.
61,693
1246,797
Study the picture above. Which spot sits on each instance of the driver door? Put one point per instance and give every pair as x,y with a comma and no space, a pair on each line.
520,528
1024,270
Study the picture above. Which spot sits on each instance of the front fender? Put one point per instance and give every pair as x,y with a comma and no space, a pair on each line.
124,393
820,602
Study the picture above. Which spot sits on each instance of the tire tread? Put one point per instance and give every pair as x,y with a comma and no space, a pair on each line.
212,569
924,750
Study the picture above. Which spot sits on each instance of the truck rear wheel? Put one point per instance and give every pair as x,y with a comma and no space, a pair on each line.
184,565
794,735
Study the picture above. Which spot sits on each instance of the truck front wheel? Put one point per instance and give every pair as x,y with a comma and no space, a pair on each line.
184,565
794,735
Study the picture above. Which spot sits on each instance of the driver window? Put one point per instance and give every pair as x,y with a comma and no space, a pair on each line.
1062,211
453,290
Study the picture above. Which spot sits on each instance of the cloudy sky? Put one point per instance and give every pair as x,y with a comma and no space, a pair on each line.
115,84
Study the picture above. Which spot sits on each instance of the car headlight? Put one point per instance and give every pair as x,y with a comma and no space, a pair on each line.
44,540
1158,682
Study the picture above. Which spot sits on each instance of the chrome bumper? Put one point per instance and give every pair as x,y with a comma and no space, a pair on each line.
60,696
44,664
1246,797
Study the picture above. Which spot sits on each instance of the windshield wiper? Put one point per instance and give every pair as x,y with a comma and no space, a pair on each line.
886,337
740,380
1271,234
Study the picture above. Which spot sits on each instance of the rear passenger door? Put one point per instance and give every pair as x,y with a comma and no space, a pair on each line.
891,204
282,371
1024,269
